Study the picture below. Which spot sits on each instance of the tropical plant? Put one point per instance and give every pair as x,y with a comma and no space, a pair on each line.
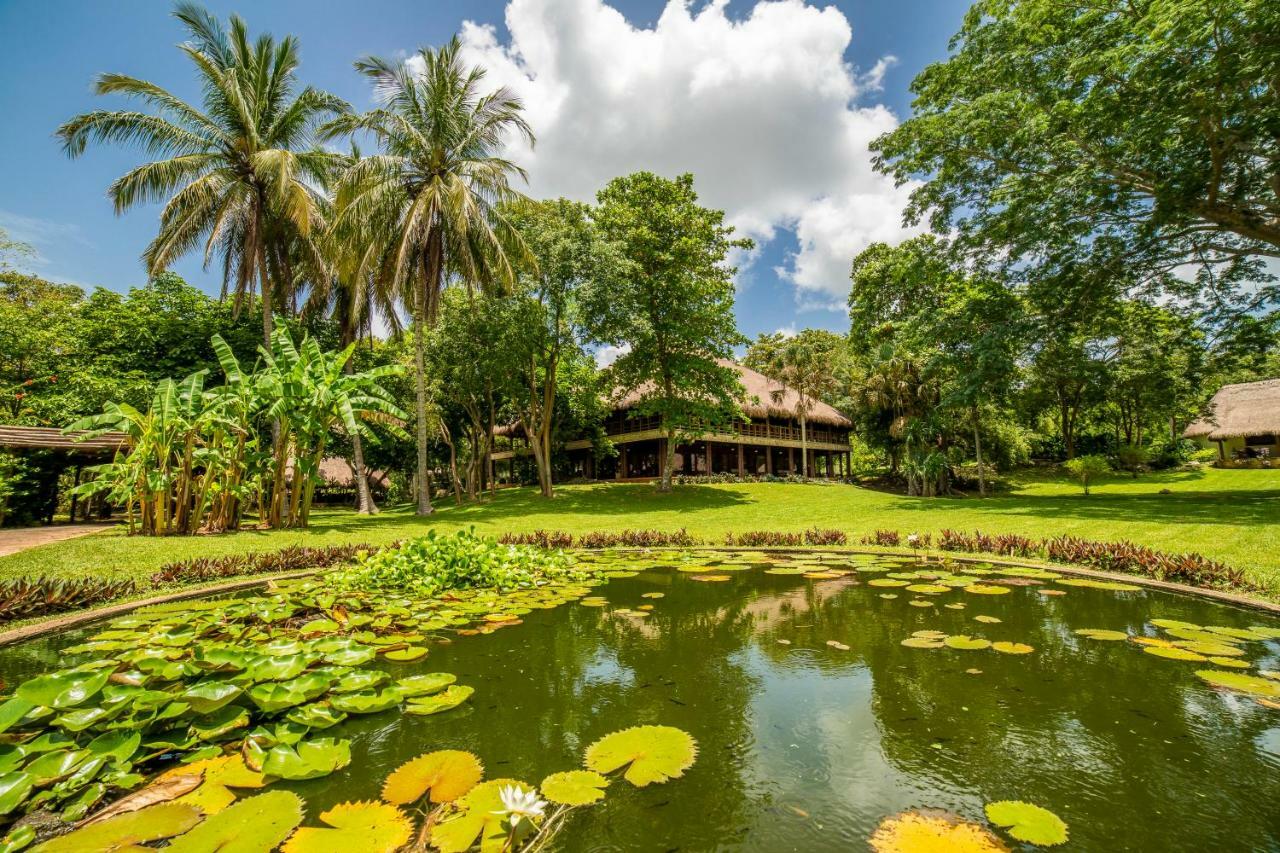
240,171
1087,469
430,206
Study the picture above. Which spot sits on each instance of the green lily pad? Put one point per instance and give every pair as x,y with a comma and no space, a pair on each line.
986,589
321,715
966,643
1114,586
1027,822
1253,685
14,790
214,726
365,826
479,814
1173,653
922,643
1007,648
361,680
52,766
989,620
309,760
366,703
127,831
574,787
253,825
206,697
64,689
422,685
117,745
410,653
650,754
1102,634
447,699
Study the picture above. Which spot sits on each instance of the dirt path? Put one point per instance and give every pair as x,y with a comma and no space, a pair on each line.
21,538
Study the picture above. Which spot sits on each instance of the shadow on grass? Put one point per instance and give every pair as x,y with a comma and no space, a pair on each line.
1231,508
606,501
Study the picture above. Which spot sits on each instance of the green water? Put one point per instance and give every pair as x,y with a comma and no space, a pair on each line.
806,747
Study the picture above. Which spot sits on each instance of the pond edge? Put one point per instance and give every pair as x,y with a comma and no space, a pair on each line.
74,620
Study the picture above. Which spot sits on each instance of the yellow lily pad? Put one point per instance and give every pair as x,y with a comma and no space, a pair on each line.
447,774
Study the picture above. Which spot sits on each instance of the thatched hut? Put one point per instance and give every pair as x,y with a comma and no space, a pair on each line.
1244,421
768,442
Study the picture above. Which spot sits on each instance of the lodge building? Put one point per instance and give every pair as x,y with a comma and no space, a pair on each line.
767,444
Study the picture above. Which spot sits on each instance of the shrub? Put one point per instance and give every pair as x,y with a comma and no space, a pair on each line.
764,539
1132,458
541,538
638,539
886,538
432,564
21,599
294,558
1087,469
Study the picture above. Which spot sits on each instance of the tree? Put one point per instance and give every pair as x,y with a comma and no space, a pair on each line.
1139,131
432,204
239,173
547,324
805,362
1087,469
671,308
13,252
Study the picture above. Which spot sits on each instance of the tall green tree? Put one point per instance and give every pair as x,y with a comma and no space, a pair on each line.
807,363
671,308
1139,130
431,205
573,262
13,252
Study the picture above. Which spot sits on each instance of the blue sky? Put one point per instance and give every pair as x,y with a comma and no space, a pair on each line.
764,151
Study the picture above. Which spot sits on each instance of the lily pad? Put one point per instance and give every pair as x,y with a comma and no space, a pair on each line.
1102,634
1027,822
1008,648
921,643
574,787
990,620
478,814
445,700
966,643
14,790
918,831
309,760
986,589
650,753
366,703
364,826
410,653
1238,681
206,697
1114,586
1173,653
447,774
64,689
254,825
126,831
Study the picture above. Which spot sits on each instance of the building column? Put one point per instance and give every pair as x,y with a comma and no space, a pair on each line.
662,456
768,460
791,461
622,463
710,469
741,464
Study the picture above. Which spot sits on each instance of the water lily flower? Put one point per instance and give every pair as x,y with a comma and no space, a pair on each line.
913,539
518,805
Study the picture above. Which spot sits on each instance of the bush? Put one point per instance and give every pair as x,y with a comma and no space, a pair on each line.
1132,458
294,558
886,538
432,564
22,599
774,538
639,539
1087,469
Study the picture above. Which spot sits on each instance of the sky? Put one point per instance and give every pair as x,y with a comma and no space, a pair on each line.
771,105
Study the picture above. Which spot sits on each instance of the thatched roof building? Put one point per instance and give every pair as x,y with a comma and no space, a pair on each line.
1240,411
765,398
51,438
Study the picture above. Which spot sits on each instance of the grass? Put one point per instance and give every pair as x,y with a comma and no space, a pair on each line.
1232,516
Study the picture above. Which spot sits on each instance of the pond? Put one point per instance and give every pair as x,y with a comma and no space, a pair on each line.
814,723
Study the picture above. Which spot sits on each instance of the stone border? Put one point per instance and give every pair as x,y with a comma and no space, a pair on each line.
73,620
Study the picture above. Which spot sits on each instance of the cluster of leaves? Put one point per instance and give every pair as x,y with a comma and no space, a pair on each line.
1216,644
433,564
767,538
539,538
293,558
638,539
27,597
1007,544
883,538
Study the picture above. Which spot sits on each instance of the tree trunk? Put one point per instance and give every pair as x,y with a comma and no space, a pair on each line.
804,448
977,450
420,388
664,483
364,497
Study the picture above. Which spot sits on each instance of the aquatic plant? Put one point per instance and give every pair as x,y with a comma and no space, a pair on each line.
293,558
1028,822
917,830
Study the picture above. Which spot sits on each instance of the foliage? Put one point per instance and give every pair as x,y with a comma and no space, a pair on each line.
1027,822
432,204
293,558
242,169
38,596
1129,133
1087,469
929,830
650,754
805,362
764,538
433,563
670,306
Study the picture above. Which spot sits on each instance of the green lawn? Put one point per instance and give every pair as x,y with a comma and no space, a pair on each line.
1233,516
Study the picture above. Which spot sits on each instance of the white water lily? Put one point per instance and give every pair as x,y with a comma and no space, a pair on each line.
518,805
913,540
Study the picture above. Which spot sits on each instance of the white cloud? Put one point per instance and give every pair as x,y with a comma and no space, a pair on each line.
41,234
608,354
763,110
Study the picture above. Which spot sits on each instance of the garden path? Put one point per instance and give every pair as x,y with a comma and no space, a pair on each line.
21,538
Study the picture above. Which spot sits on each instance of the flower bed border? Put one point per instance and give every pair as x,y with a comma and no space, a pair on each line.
73,620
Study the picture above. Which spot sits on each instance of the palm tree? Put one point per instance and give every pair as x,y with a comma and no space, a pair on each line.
432,202
237,174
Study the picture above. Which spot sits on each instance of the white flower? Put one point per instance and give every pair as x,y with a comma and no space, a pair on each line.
913,539
518,805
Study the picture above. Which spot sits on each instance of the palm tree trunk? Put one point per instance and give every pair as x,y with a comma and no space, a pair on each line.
364,497
420,387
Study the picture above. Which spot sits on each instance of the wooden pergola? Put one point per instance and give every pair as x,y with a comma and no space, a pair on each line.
79,450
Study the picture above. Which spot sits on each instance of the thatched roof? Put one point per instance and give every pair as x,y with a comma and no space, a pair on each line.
337,471
1250,408
50,438
761,402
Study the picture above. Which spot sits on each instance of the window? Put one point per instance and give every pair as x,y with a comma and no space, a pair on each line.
1259,440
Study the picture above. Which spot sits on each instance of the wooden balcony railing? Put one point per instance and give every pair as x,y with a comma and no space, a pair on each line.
622,426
